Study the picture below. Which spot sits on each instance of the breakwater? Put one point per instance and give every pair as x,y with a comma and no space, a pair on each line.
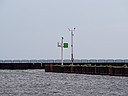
94,67
22,64
112,69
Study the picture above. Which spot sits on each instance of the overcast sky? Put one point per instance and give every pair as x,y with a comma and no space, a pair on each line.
30,29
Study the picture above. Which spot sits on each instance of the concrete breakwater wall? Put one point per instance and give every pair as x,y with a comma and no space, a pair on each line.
93,69
119,68
22,65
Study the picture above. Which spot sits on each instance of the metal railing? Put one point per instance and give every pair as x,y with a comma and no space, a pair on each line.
67,61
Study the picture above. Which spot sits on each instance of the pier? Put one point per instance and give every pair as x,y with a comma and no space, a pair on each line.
109,67
93,67
22,64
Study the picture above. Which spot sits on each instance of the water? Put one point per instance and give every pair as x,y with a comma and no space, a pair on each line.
41,83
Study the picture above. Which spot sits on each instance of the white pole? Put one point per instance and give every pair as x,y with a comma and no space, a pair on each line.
72,58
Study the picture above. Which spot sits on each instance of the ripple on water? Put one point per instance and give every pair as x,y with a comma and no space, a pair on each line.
41,83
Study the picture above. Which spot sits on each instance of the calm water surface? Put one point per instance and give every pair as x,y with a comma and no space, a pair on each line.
41,83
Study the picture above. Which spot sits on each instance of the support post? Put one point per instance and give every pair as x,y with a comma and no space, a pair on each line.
72,34
62,45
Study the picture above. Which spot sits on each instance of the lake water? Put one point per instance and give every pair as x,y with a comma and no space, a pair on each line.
41,83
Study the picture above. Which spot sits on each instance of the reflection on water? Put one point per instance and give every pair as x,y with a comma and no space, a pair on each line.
41,83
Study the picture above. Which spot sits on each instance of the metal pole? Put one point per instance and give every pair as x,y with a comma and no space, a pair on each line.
72,58
62,45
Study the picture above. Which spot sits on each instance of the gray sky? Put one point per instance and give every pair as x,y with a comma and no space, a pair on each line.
30,29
